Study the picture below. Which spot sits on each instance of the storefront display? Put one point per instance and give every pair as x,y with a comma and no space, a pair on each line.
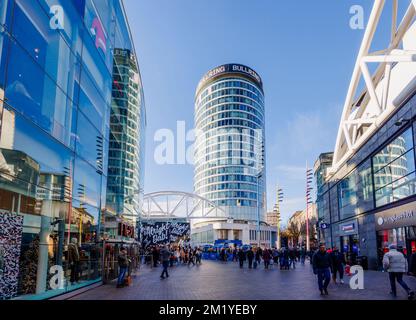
54,148
397,226
349,240
10,240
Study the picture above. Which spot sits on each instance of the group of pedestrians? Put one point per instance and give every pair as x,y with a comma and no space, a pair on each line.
178,255
286,258
394,262
169,256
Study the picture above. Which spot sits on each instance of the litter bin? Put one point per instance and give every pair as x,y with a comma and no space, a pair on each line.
363,262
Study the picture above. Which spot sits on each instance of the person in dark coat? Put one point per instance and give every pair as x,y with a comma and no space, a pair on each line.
241,257
292,258
321,262
156,256
412,264
223,255
235,254
302,255
164,257
281,258
191,257
337,265
266,257
286,259
258,255
250,257
123,263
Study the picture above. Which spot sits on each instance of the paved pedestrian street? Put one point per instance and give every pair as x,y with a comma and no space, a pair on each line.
217,281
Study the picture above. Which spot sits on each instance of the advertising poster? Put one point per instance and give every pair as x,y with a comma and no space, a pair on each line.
157,233
10,243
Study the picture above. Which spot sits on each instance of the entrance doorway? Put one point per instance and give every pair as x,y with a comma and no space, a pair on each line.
350,247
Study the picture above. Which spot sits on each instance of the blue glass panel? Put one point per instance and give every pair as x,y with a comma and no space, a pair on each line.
36,96
93,105
4,40
90,143
98,20
31,29
87,183
32,148
6,7
73,27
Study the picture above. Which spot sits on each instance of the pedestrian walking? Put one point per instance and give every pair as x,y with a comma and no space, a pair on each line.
172,257
123,264
302,255
266,257
223,255
297,254
337,265
241,257
281,258
250,257
177,256
395,263
164,257
321,262
275,254
292,258
258,256
191,257
412,267
156,256
235,254
286,262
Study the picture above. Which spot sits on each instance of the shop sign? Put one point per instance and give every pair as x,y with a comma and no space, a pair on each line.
232,68
396,217
348,228
125,230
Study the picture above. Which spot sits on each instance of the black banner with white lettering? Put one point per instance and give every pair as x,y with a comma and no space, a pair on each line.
157,233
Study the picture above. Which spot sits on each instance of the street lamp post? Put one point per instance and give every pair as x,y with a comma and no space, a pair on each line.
278,201
258,208
259,177
309,178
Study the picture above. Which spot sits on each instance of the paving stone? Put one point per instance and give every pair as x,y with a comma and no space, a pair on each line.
217,281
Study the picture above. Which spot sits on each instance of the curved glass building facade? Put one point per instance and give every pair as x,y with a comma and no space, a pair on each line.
59,102
230,140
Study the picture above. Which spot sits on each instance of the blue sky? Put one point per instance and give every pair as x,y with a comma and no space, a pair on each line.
304,51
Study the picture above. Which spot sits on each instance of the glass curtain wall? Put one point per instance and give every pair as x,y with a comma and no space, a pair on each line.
55,102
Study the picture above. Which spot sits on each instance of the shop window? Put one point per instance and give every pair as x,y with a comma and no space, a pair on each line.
394,170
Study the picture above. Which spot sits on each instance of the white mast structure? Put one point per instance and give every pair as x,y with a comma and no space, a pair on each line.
391,84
